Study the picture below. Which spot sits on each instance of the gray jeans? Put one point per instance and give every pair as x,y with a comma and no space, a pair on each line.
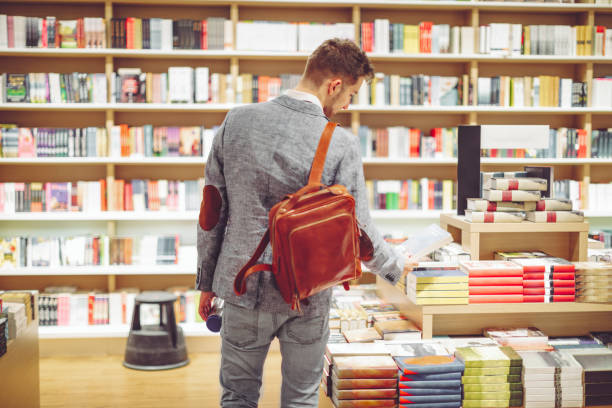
246,336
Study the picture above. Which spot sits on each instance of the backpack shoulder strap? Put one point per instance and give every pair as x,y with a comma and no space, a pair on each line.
316,171
250,267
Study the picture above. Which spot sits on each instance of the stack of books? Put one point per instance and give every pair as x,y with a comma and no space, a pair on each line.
17,320
524,339
547,279
494,281
334,350
604,338
437,286
551,379
505,197
400,330
492,376
352,372
597,365
429,375
25,298
593,282
554,210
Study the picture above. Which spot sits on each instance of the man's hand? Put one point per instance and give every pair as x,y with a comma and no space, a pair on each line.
411,263
205,304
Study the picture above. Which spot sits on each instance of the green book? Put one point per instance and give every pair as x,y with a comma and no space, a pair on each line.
493,371
495,395
491,379
488,356
492,387
492,403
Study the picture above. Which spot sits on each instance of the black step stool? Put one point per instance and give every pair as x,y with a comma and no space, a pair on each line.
157,346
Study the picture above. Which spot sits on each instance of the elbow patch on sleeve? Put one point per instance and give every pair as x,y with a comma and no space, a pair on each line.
366,249
210,208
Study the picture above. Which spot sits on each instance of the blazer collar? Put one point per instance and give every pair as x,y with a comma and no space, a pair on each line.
299,105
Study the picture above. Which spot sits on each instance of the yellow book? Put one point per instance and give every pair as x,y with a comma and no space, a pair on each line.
411,39
373,90
580,40
149,87
442,286
138,33
370,189
555,87
447,192
526,40
437,276
440,301
588,40
222,88
437,293
527,84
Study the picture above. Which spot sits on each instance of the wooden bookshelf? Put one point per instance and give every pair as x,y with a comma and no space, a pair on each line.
461,13
554,319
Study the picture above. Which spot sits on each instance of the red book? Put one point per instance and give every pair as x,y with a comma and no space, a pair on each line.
90,308
129,32
545,298
548,275
496,299
495,290
204,41
492,281
491,268
10,28
582,141
431,195
128,197
44,34
103,202
561,283
549,291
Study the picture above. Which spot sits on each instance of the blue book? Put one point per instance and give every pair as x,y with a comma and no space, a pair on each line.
433,405
429,377
429,384
426,358
430,391
429,398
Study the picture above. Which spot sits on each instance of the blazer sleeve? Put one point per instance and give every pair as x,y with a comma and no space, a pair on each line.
386,261
212,218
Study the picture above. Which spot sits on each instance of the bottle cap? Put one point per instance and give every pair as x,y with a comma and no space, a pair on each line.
214,323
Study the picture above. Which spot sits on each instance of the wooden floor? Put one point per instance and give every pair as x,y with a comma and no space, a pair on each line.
100,382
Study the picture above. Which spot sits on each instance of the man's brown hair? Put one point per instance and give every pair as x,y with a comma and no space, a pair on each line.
338,57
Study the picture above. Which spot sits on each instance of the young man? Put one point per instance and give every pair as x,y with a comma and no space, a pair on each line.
261,153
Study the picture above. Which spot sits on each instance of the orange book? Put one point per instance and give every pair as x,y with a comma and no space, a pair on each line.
365,367
118,191
129,32
494,280
204,42
496,290
262,84
128,251
90,308
103,202
128,197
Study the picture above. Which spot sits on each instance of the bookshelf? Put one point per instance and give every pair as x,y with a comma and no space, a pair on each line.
463,13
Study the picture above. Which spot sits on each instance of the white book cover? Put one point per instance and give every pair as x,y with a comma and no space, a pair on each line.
467,40
516,39
519,92
115,309
3,31
566,93
426,241
482,40
201,84
363,96
311,35
190,307
115,141
228,35
381,36
166,34
380,89
19,27
435,39
500,39
180,81
455,40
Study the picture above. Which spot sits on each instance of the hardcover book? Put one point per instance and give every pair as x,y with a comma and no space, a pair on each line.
362,335
493,217
492,379
438,276
419,399
478,204
491,269
365,367
361,394
555,216
515,195
429,384
382,403
425,358
554,204
488,356
523,183
362,383
429,377
407,392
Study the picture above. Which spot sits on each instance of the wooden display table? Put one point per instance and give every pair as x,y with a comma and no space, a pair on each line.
481,240
19,387
554,319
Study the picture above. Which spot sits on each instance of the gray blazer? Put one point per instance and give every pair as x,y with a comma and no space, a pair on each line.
261,153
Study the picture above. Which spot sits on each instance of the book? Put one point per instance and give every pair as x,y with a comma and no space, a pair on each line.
425,358
505,387
522,183
382,403
555,216
362,335
478,204
398,330
455,404
365,367
508,256
362,383
496,216
406,392
515,298
493,395
426,241
495,290
492,379
491,269
497,280
429,398
364,393
355,349
514,195
554,204
438,276
429,377
492,403
485,177
488,356
529,338
492,371
429,384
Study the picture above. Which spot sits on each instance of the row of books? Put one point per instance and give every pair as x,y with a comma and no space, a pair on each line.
213,33
602,92
90,250
421,194
399,142
604,236
76,87
504,39
541,91
69,306
49,32
96,196
382,36
601,143
189,85
52,142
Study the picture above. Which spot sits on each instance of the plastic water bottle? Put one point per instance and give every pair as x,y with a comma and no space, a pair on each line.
214,320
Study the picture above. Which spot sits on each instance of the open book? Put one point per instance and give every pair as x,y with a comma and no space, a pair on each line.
426,241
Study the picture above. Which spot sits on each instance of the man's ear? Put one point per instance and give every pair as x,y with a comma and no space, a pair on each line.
334,86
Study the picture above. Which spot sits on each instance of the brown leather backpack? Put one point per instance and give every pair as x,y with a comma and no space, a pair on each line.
314,235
